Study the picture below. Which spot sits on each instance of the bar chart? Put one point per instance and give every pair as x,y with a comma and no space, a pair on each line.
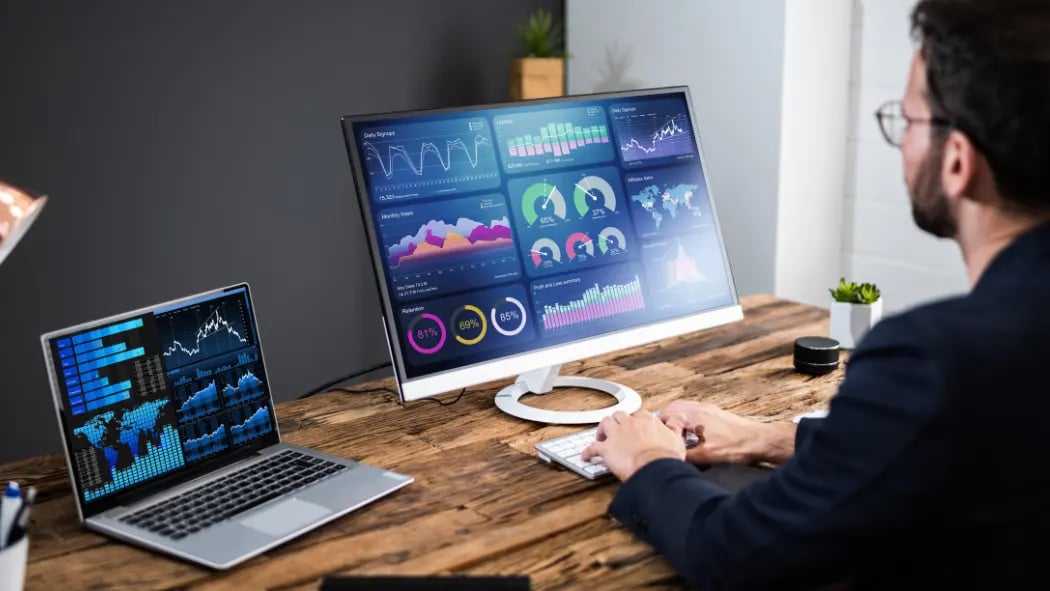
587,298
557,139
551,138
88,361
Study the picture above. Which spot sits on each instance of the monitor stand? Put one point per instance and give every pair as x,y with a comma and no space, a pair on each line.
543,381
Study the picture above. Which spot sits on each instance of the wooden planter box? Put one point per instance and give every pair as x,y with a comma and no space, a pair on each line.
537,77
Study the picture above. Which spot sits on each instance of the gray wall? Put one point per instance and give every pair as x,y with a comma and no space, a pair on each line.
730,54
188,145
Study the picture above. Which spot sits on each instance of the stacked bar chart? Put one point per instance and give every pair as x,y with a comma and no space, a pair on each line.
553,138
558,139
84,355
596,303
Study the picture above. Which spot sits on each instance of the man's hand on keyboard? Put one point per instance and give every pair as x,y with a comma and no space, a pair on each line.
625,442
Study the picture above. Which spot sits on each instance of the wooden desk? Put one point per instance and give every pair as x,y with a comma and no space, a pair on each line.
482,502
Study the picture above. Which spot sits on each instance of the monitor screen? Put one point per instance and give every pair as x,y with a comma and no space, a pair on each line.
519,227
160,391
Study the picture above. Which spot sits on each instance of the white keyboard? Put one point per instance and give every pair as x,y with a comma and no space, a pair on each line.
566,450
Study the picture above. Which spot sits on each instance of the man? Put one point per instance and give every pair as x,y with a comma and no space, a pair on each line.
930,469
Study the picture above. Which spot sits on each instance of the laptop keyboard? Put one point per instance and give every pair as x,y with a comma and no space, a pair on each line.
218,500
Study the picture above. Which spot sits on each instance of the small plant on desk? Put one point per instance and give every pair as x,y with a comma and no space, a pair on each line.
540,71
855,308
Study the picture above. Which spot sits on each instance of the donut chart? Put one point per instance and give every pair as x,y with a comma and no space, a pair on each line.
425,329
504,318
469,325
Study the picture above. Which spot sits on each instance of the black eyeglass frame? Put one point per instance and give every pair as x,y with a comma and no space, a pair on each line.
882,116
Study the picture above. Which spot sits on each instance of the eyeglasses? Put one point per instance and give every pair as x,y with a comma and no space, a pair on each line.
894,123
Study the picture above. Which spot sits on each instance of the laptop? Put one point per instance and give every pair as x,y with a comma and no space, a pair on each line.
171,440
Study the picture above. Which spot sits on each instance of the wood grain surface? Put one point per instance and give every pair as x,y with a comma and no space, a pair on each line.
482,502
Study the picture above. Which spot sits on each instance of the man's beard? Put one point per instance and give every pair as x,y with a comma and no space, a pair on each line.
929,205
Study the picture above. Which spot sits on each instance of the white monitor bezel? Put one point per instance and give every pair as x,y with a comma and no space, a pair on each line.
417,388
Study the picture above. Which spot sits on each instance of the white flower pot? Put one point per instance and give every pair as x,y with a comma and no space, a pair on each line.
850,322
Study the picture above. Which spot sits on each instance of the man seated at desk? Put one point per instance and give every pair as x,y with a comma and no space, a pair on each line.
929,470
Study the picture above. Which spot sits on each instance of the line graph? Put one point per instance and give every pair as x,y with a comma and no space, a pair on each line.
203,438
426,148
670,129
246,387
248,422
653,130
192,334
406,160
196,402
215,324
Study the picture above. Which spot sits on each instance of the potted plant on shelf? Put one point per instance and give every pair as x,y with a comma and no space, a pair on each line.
854,310
540,72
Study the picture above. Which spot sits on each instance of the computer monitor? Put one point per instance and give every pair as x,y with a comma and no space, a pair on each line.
509,239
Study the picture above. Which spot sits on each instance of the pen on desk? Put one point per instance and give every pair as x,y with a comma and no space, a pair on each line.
21,525
12,502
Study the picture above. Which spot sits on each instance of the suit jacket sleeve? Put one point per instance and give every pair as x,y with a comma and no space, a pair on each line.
863,475
806,428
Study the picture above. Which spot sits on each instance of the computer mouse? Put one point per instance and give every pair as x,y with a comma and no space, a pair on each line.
691,439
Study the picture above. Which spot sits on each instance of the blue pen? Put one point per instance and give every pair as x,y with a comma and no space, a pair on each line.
12,502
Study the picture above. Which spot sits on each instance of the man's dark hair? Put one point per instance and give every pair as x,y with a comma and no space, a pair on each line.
988,73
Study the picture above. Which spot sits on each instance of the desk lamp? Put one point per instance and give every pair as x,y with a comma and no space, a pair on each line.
18,209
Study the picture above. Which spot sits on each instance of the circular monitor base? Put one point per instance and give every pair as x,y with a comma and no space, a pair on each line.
509,401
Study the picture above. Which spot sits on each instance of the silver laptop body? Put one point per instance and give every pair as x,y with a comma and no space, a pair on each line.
171,439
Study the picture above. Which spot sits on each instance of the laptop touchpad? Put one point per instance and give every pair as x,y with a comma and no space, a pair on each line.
286,517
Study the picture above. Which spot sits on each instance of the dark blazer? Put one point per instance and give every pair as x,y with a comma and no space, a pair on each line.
930,470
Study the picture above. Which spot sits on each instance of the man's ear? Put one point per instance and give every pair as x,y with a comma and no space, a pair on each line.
960,167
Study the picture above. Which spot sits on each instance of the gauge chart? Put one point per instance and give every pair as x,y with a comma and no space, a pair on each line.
543,203
579,246
545,254
611,241
594,196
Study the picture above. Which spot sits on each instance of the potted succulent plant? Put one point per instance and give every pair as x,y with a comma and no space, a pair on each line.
854,310
540,71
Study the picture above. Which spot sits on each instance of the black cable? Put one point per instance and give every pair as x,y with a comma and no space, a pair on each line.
449,403
395,393
328,385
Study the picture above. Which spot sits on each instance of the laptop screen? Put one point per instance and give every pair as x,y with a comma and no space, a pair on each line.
159,392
